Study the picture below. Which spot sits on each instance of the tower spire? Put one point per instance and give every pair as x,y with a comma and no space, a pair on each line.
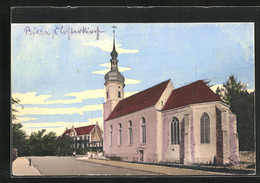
114,54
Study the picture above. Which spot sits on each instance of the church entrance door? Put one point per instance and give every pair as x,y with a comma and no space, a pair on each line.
141,155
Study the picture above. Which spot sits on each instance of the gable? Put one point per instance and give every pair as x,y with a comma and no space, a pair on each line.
141,100
197,92
80,130
84,130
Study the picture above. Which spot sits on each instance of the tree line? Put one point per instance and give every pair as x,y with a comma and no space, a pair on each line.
38,143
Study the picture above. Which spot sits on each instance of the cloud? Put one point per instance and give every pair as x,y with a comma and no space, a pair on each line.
128,94
243,34
24,119
106,46
102,72
108,65
31,98
59,127
73,110
131,81
214,87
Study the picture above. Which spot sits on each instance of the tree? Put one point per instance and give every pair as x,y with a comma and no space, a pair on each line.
14,102
19,140
42,145
242,104
64,145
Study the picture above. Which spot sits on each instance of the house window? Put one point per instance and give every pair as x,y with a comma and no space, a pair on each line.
143,127
175,131
119,94
111,130
205,128
120,134
130,133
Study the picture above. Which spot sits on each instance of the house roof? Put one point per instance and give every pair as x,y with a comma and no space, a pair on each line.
141,100
197,92
81,130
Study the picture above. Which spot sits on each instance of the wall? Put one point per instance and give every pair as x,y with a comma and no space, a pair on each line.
194,150
205,152
126,151
233,140
171,153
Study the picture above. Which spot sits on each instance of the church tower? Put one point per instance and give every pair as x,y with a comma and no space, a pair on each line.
114,84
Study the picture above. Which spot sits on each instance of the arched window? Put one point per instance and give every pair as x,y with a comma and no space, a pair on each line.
175,131
205,128
143,130
111,131
120,134
130,132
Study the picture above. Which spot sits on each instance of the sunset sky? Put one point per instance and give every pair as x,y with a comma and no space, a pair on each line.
59,77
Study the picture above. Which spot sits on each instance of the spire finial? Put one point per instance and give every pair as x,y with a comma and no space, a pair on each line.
114,53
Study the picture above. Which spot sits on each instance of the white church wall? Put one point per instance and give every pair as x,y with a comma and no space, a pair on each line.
204,152
171,152
128,152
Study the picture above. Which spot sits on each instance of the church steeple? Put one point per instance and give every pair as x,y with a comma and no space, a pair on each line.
114,81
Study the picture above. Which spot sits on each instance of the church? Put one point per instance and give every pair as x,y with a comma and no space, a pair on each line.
187,125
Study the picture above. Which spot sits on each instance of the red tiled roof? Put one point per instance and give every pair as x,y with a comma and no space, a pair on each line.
81,130
197,92
141,100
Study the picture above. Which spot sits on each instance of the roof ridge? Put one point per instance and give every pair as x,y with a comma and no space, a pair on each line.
81,127
188,84
146,89
139,99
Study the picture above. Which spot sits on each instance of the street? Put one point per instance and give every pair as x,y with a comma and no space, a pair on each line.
51,165
70,166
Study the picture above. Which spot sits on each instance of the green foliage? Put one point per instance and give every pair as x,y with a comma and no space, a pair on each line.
13,102
64,145
242,104
231,89
19,140
41,144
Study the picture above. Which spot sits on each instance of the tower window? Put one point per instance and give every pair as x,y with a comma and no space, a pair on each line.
119,94
107,95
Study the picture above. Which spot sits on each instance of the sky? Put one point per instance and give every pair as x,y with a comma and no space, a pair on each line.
57,70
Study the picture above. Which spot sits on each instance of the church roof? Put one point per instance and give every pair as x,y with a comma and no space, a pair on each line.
197,92
81,130
141,100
